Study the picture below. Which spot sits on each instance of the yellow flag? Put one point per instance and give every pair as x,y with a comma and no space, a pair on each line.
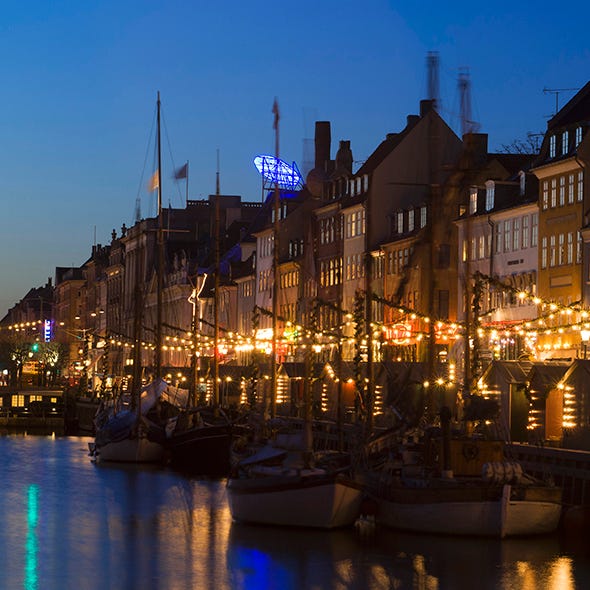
154,182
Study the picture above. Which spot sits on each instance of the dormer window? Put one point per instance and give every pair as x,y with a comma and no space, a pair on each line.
411,220
400,222
552,146
422,216
490,186
578,136
564,143
522,179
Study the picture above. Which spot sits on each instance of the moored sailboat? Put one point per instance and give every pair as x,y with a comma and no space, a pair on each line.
124,430
417,489
285,482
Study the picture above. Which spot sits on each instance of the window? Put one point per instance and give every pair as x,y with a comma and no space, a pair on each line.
570,189
534,229
545,198
507,236
464,251
543,252
552,146
561,250
552,251
516,234
498,237
570,248
482,247
561,191
564,143
473,249
473,200
553,192
578,136
579,248
489,195
525,231
411,220
580,186
422,216
400,222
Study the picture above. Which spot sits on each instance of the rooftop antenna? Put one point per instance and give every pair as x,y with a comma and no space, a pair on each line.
432,66
557,91
468,125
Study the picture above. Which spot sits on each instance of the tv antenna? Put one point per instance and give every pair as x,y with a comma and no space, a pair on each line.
557,92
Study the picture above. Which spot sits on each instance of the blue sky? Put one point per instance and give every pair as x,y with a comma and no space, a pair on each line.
79,85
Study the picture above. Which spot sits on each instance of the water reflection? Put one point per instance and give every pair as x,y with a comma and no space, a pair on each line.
71,524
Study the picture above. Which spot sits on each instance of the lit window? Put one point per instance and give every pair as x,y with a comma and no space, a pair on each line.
489,195
553,192
400,222
564,143
543,252
516,234
552,251
534,229
580,186
507,234
570,189
411,220
552,146
473,200
561,191
422,217
578,136
545,197
525,231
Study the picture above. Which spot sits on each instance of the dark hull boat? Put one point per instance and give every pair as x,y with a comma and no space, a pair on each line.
200,444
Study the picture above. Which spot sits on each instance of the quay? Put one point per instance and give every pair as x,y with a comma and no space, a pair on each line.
568,468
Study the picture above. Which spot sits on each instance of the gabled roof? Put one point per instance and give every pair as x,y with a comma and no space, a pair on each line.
577,109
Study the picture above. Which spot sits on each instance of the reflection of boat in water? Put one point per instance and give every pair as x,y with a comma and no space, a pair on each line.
416,490
266,557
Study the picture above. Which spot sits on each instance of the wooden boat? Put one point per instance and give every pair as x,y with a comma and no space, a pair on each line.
126,434
198,441
280,486
485,495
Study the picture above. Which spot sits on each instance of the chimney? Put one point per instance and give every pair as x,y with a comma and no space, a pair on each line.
476,145
426,106
323,140
412,120
344,156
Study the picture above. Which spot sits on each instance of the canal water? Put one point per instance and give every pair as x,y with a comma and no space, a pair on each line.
70,524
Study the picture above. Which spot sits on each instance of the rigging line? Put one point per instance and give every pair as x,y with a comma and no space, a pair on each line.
141,179
171,157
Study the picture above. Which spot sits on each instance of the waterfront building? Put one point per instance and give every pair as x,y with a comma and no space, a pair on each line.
563,220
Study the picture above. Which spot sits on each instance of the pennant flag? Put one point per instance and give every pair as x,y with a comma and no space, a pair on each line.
182,172
275,111
154,182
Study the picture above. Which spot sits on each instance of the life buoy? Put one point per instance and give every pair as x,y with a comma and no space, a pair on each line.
470,451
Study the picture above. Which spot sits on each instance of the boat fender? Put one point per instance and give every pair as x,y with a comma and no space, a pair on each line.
504,472
470,451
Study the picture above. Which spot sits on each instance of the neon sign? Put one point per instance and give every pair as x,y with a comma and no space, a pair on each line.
276,171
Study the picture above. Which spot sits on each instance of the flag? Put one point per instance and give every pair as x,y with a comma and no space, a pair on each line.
275,111
154,182
182,172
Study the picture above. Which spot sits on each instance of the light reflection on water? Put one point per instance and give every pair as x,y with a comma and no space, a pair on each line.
71,524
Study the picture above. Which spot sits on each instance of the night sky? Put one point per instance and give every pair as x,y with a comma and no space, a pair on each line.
80,78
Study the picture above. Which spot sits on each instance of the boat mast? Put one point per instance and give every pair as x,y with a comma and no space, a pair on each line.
276,275
160,267
216,296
